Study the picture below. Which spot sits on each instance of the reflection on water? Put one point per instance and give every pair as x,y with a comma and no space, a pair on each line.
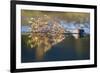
43,42
54,47
78,45
82,46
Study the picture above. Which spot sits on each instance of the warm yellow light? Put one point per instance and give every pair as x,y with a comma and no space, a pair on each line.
36,38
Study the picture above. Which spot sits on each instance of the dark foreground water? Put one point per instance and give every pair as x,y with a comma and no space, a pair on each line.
68,49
